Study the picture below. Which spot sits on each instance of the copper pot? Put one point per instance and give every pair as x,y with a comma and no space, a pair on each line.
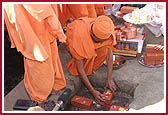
129,30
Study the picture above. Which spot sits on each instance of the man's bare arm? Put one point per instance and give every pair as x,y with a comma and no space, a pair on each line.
97,95
83,76
109,83
109,63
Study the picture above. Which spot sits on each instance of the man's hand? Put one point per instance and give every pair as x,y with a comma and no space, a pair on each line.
97,95
110,85
100,98
160,46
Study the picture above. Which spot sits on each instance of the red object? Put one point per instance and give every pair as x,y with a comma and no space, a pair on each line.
152,56
117,29
127,9
108,97
118,108
121,15
118,34
81,102
143,36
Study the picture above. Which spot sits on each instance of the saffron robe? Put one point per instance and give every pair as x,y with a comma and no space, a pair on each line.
81,46
76,11
33,29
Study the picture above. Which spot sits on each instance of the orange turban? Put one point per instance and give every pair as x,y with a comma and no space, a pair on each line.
103,27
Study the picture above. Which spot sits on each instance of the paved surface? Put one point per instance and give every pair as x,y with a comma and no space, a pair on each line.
149,81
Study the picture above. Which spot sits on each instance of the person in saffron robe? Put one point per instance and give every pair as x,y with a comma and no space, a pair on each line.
100,9
90,41
76,11
33,30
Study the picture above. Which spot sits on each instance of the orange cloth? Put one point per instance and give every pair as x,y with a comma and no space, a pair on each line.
100,9
33,29
81,46
61,14
65,11
103,27
77,10
91,11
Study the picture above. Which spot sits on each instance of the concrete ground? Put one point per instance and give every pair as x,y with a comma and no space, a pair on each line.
149,81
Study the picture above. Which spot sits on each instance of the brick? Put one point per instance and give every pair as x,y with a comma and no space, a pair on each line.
108,97
152,56
81,102
127,9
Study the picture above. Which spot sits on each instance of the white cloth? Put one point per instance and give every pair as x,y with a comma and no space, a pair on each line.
157,26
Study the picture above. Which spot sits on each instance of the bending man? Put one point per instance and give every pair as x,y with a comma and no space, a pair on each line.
90,41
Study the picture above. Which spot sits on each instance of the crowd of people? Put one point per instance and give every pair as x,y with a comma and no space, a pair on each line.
35,28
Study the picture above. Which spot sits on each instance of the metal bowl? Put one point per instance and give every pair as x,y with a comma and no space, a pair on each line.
118,62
